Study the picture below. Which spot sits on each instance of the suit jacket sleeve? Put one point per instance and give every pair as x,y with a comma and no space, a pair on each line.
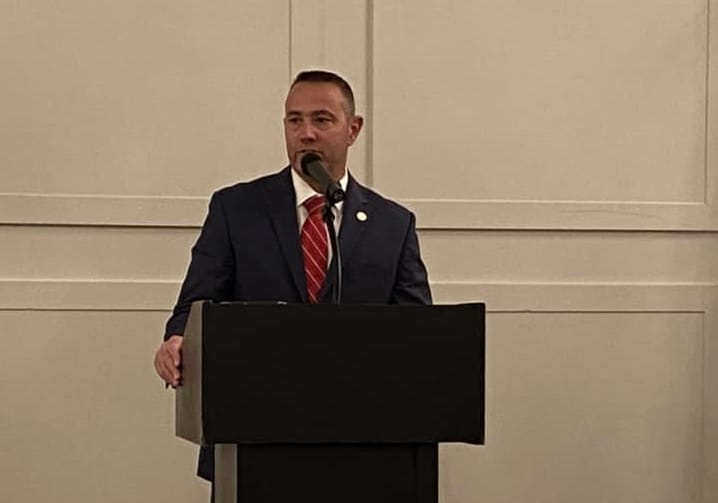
411,285
211,271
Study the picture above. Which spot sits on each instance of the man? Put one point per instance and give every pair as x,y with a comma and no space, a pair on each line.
253,244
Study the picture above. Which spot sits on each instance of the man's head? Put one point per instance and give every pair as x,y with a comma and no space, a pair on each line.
319,117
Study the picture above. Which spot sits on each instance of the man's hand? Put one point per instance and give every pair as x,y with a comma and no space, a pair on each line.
168,360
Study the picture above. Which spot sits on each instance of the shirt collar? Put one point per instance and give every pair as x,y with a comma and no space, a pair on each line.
304,191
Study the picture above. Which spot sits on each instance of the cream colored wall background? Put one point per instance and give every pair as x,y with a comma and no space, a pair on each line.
560,156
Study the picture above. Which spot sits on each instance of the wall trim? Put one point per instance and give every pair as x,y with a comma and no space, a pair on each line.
500,297
189,211
102,210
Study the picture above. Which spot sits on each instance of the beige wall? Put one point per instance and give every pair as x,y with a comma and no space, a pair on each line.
560,157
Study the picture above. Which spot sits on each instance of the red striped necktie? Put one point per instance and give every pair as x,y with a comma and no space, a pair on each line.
315,246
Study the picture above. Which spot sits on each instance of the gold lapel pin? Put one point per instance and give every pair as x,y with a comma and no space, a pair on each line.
361,216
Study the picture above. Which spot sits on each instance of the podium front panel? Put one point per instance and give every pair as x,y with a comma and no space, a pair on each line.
325,374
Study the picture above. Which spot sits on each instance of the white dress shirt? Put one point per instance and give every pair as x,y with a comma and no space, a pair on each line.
304,191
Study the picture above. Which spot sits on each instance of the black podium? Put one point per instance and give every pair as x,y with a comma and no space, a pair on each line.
325,403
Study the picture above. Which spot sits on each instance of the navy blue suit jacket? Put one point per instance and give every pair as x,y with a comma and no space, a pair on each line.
249,250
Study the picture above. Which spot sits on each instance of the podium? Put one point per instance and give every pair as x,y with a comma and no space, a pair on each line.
325,403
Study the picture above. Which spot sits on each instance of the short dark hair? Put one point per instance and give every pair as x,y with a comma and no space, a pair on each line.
332,78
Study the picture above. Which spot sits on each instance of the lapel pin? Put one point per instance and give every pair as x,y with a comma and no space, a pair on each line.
361,216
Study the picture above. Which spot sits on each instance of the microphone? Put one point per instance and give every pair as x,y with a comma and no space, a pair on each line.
314,168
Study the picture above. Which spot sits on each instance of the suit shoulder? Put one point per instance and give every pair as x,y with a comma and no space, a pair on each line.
250,187
253,195
387,206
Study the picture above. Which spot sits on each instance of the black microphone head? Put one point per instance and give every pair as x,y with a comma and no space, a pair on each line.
314,168
308,159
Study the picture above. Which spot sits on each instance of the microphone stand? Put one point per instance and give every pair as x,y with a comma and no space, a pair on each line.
336,254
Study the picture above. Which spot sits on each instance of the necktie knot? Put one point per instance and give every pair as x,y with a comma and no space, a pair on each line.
315,203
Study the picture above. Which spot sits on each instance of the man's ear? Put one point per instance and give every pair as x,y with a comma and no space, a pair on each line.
355,125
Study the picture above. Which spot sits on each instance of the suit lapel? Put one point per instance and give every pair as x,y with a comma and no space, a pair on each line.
351,230
281,205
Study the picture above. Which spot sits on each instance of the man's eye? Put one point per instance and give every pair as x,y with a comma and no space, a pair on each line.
294,120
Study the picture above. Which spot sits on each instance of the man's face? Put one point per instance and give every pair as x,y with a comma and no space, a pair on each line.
316,120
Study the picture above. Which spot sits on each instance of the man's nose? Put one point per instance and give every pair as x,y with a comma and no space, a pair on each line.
307,132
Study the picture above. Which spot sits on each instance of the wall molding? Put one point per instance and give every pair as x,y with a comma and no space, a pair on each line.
102,210
188,212
317,39
563,215
500,297
694,215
